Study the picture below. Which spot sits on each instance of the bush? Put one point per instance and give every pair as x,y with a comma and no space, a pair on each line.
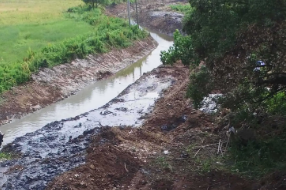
259,157
184,8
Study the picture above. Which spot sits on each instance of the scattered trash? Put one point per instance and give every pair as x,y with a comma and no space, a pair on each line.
166,152
259,64
121,109
209,104
105,112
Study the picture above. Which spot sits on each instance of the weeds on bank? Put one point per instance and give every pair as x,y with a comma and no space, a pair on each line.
258,158
184,8
163,163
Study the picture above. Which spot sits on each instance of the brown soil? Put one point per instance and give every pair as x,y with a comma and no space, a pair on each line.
170,151
154,157
51,85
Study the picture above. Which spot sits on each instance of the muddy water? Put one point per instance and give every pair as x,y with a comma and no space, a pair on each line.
92,97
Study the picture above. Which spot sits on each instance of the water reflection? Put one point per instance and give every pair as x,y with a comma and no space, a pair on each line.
89,98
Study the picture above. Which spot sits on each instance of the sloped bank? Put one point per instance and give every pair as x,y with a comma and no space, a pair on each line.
61,145
51,85
154,15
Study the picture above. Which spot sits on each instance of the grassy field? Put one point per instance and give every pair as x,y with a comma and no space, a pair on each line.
37,33
33,24
33,11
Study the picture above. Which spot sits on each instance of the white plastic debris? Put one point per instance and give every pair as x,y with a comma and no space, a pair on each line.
166,152
209,105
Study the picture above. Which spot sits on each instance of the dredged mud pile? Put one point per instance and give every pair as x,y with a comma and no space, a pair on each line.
61,145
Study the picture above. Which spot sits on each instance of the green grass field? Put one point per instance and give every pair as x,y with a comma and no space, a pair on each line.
33,24
33,11
37,33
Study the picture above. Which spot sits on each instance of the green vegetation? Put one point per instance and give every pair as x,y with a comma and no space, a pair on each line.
240,46
79,31
184,8
258,158
5,156
16,40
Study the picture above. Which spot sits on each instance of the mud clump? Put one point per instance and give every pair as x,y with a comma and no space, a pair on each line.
106,167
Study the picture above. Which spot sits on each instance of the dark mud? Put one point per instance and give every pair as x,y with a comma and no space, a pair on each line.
61,145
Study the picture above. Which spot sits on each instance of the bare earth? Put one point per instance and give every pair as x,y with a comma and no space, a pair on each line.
162,154
170,151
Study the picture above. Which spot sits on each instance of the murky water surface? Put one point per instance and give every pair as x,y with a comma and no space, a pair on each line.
92,97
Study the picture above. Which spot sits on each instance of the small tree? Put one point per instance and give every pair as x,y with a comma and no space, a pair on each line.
92,2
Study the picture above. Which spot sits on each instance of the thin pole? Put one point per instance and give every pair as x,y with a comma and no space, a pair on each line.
128,8
137,17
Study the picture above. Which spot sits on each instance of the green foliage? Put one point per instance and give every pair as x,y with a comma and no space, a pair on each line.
181,50
214,24
107,32
6,156
259,157
277,104
162,162
201,85
184,8
230,36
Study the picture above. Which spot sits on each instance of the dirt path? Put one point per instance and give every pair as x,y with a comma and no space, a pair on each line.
51,85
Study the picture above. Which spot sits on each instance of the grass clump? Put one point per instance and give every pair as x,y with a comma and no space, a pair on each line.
4,155
183,8
258,158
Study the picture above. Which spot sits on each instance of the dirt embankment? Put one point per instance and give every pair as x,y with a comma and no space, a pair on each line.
176,148
168,152
154,15
51,85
